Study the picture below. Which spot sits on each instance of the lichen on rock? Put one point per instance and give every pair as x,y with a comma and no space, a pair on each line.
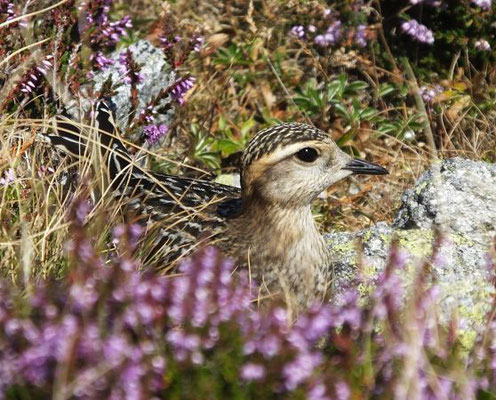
467,190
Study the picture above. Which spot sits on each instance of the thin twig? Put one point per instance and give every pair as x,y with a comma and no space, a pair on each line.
415,90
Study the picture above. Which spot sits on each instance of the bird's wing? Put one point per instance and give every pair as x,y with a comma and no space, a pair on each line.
183,210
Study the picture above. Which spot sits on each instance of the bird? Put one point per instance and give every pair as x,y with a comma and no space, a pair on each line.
266,226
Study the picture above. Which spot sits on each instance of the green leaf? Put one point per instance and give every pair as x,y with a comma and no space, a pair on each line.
367,113
350,134
343,81
332,90
222,123
228,146
356,87
342,110
387,128
385,89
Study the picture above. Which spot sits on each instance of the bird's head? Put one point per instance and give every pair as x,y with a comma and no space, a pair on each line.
288,165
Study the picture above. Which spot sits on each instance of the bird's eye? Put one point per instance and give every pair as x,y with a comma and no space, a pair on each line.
308,154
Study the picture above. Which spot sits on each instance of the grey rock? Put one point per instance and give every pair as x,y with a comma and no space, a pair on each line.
463,199
157,74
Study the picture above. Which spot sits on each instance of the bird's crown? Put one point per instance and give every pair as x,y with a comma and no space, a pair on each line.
268,140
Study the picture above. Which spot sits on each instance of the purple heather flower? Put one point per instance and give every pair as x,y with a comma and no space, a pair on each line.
82,210
317,392
312,28
101,62
148,114
342,391
8,177
154,133
183,343
280,317
270,346
388,294
135,232
168,42
484,4
119,231
252,372
159,364
433,3
300,369
298,31
360,36
198,43
44,170
181,87
418,31
33,78
127,70
7,7
316,322
482,45
350,312
116,348
106,33
332,35
429,93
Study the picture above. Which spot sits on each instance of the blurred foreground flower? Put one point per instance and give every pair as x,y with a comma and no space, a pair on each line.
109,331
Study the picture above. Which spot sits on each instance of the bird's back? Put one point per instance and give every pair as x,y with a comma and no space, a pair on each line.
182,212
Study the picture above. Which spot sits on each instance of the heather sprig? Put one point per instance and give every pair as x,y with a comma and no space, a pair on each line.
418,31
130,69
429,93
298,31
154,133
181,87
176,48
335,34
102,31
100,61
119,332
34,78
8,12
331,36
7,178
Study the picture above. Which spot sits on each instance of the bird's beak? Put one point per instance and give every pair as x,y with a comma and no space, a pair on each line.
365,167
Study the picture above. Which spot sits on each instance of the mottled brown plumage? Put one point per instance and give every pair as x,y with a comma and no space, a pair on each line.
267,226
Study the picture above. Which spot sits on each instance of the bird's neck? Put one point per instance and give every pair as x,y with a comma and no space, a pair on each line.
288,224
283,243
